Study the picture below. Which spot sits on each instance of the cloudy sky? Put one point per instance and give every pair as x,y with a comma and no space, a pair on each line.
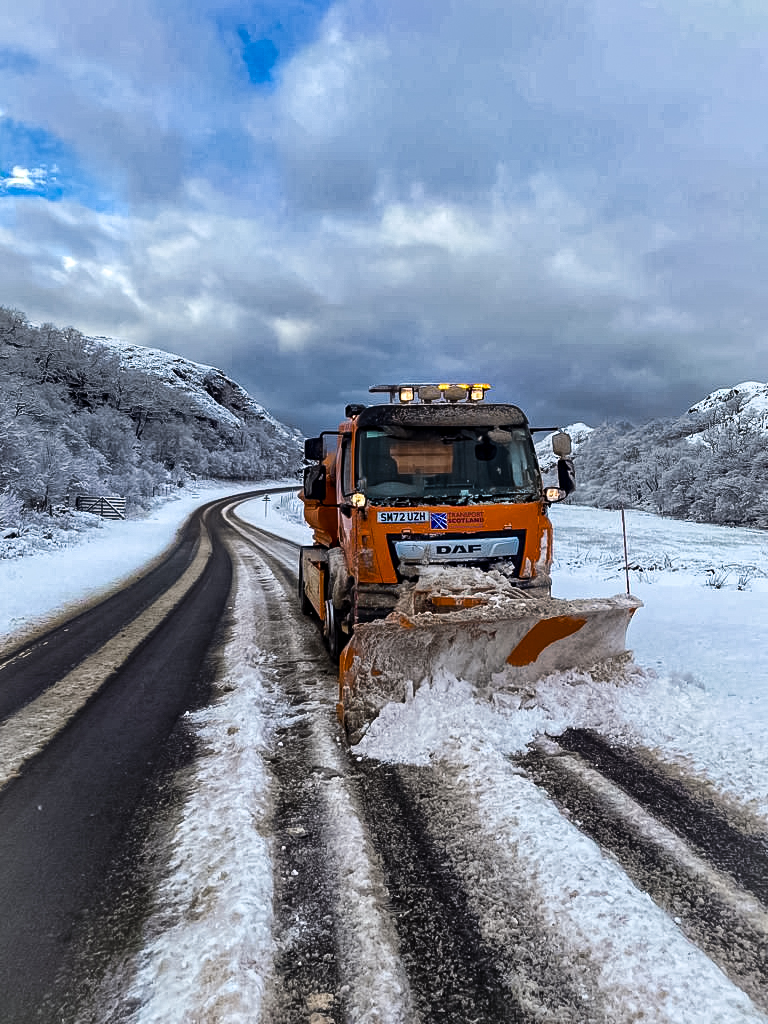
565,198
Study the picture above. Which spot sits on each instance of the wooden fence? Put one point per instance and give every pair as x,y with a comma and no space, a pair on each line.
107,508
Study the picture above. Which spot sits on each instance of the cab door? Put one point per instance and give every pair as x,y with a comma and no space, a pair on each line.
347,515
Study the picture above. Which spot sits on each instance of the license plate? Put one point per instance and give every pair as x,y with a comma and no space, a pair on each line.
404,516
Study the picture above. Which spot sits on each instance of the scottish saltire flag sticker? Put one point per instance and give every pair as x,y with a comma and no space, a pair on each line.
439,520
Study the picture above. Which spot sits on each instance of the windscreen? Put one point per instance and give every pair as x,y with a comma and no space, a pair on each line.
458,464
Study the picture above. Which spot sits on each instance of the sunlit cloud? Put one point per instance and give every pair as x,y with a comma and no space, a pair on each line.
24,178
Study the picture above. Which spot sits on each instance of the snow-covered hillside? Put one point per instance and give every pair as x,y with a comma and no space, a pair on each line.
709,464
207,390
578,432
98,416
748,399
739,408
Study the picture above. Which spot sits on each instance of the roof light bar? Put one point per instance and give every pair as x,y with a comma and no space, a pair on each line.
427,393
454,392
430,393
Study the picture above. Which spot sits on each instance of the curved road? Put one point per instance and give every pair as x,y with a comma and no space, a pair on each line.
393,894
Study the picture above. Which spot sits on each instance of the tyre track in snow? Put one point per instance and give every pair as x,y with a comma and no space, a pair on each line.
472,940
336,950
455,975
704,863
440,966
729,838
306,960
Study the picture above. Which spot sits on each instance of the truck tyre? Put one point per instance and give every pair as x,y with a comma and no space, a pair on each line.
332,631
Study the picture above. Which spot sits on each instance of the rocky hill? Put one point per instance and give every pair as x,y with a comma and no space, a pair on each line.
206,392
80,415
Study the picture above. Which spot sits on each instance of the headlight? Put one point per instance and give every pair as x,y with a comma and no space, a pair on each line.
358,500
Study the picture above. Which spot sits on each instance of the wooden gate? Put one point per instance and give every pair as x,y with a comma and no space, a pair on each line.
107,508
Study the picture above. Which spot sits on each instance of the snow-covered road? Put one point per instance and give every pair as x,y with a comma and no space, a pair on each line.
529,872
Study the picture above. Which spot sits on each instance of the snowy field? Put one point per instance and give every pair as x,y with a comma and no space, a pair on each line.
698,699
702,637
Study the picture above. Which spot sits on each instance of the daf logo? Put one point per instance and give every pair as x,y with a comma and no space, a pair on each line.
417,549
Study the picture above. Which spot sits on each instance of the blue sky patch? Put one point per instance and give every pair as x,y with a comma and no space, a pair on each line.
37,163
31,181
16,61
260,56
273,33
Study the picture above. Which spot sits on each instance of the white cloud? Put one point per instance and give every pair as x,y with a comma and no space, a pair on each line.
444,225
327,86
22,177
292,334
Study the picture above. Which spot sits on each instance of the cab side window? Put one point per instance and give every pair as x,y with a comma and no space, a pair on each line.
347,477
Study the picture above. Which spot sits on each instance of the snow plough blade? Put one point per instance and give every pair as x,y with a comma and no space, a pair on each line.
474,632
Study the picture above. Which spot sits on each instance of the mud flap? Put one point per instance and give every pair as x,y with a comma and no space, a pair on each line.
523,639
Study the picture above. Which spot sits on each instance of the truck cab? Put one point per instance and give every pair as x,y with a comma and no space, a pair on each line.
436,476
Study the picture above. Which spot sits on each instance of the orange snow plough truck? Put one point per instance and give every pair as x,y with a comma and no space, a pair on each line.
432,550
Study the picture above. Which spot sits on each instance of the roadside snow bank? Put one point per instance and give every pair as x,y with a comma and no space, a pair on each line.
208,943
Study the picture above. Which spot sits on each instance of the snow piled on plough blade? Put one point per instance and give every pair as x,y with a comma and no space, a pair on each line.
475,626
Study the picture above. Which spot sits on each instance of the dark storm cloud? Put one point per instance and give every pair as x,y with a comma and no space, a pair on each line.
563,197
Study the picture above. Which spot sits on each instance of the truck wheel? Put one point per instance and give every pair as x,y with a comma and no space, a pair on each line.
332,631
304,602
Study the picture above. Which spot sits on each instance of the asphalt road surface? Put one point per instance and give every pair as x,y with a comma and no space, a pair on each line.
383,882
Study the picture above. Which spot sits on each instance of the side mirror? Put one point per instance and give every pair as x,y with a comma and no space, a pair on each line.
313,449
561,444
314,482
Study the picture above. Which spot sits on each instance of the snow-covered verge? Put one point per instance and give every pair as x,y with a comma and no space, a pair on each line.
38,531
702,637
701,641
282,515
